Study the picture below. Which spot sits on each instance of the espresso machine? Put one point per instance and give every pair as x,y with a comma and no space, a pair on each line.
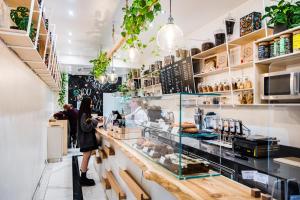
198,118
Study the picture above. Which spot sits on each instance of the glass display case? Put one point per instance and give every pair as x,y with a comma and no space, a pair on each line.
169,129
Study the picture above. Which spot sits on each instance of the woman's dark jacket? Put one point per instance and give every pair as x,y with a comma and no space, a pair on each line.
86,133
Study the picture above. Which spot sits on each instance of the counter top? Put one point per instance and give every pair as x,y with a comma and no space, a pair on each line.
211,188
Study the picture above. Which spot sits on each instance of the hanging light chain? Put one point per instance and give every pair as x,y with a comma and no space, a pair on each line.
171,19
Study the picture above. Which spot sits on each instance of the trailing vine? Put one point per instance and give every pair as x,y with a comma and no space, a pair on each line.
100,64
62,92
136,19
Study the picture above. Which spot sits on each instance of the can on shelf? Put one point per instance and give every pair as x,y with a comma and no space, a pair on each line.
296,41
276,47
272,53
263,50
285,44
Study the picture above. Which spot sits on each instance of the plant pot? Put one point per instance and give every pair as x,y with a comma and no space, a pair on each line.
280,27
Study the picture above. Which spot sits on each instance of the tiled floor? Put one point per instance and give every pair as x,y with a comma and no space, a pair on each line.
57,181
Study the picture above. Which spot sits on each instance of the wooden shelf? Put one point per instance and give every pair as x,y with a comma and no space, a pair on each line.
212,73
13,37
109,150
25,3
218,49
251,37
105,183
243,90
272,37
115,186
135,188
284,59
241,66
28,54
103,155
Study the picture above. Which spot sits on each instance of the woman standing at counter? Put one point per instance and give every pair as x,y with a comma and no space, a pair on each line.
87,138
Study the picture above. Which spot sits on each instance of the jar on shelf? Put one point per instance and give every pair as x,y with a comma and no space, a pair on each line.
216,87
226,86
210,88
240,84
207,45
199,86
221,87
272,53
263,50
285,44
296,41
276,47
234,84
247,83
204,88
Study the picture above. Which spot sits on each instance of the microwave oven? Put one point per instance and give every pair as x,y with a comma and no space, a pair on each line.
280,86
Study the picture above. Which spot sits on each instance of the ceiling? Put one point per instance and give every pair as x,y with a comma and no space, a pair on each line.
83,28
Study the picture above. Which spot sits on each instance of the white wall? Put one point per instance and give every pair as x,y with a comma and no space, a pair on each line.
26,103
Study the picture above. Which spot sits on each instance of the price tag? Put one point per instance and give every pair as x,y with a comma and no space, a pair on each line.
248,174
261,178
151,153
165,127
145,149
175,130
162,160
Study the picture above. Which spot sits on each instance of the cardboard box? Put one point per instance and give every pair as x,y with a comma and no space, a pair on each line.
250,23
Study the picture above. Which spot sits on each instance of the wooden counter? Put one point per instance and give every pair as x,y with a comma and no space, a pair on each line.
212,188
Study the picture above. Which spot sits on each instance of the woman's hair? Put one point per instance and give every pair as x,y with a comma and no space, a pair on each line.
85,107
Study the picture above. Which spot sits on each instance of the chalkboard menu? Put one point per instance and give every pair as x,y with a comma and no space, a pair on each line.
178,77
87,86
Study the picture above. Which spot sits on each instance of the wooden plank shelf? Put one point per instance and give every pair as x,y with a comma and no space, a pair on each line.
215,50
115,186
219,71
284,59
272,37
251,37
25,3
102,154
243,90
241,66
105,183
135,188
12,37
109,150
28,54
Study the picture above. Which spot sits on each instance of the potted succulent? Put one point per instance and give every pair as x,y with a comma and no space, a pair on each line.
282,16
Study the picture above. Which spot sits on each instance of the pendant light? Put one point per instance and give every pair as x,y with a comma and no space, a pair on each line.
134,55
170,35
102,79
112,77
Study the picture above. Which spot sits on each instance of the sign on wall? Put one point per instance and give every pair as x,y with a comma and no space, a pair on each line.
87,86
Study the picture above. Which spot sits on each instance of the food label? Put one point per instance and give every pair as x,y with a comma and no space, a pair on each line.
151,153
261,178
296,41
145,149
175,130
162,160
248,174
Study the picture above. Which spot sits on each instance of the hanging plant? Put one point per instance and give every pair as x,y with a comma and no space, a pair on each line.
123,89
100,64
136,19
62,92
20,16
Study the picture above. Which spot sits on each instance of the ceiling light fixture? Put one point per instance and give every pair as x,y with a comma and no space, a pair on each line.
70,33
69,41
112,77
71,13
170,35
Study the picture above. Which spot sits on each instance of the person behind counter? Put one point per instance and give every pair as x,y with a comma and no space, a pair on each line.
138,111
72,116
87,138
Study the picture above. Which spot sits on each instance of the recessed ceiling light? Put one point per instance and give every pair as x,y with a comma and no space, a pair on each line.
163,12
71,13
70,33
69,41
70,52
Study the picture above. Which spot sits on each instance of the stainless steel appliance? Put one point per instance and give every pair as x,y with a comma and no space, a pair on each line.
280,86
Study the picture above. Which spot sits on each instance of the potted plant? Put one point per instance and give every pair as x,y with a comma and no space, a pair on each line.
123,89
20,16
100,64
282,16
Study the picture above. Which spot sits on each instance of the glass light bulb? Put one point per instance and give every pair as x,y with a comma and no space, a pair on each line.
169,37
133,54
102,79
112,78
